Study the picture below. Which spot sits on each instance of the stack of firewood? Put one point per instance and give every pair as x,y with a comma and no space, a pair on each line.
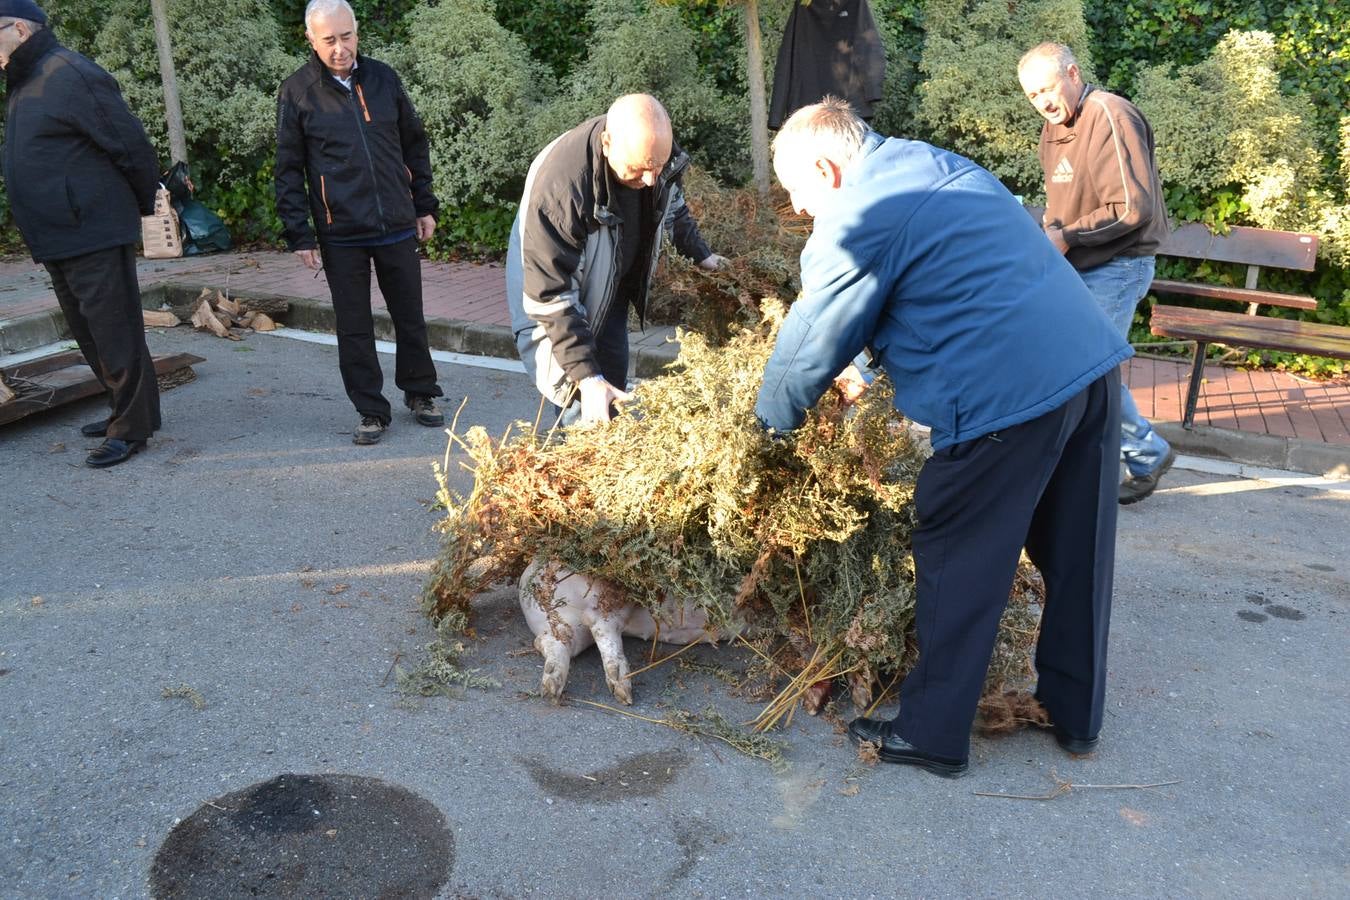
214,312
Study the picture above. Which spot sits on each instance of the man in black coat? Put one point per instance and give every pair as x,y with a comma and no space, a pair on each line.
348,132
80,173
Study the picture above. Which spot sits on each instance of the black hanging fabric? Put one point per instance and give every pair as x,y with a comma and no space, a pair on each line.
829,47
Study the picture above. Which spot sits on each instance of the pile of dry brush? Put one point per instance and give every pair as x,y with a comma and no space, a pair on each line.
761,241
805,540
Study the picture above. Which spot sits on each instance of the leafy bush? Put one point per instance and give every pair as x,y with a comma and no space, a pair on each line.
556,32
378,22
227,88
477,91
972,102
901,26
1312,42
1226,132
719,41
649,49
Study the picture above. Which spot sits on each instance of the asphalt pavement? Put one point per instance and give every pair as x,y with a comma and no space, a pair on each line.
231,606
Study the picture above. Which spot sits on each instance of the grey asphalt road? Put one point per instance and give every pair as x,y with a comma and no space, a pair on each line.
256,557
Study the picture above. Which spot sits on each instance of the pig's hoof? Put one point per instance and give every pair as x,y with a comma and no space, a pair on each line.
620,685
623,691
553,682
816,696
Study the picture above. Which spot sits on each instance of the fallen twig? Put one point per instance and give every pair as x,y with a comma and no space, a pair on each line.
710,725
398,654
1063,787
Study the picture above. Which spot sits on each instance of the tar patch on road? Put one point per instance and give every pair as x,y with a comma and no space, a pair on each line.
1269,609
641,775
307,836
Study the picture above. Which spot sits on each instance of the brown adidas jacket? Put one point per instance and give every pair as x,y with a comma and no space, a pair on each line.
1101,181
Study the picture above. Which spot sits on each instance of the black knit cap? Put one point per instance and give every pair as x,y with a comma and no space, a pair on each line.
22,9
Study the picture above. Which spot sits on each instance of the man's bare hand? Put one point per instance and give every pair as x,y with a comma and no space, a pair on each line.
851,384
426,227
310,258
596,396
1056,236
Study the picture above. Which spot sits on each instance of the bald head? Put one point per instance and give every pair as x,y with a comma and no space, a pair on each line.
637,139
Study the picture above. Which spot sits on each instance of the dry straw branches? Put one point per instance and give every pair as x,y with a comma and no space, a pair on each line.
804,541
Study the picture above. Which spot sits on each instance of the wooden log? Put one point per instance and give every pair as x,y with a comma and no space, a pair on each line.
160,318
261,321
204,319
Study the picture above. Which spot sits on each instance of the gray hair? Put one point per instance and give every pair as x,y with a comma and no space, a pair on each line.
1059,54
829,129
14,20
327,8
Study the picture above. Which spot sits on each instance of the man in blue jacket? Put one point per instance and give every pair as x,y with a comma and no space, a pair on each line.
347,131
990,338
80,173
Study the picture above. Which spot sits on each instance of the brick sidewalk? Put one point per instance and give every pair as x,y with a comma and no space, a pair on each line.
1260,403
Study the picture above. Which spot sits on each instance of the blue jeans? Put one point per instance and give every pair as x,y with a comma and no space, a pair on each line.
1119,285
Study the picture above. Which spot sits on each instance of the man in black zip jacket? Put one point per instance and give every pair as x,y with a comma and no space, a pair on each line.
80,172
585,244
347,131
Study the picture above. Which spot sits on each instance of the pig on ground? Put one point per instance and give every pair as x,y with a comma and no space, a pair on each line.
568,611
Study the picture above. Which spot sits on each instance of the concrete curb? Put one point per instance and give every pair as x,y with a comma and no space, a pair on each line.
1265,450
33,330
652,352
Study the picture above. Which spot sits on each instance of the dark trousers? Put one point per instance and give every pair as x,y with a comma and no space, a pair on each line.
101,301
400,276
611,344
611,354
1050,485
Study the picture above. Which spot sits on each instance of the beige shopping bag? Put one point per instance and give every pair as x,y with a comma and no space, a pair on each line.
159,232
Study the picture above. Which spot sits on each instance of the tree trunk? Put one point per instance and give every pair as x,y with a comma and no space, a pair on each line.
759,109
173,111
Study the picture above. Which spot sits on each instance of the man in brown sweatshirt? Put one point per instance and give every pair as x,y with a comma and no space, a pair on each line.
1104,211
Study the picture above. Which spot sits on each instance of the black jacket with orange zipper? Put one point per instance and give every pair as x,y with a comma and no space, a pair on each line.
362,154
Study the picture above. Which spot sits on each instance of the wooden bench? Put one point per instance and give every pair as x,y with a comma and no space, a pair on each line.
1254,248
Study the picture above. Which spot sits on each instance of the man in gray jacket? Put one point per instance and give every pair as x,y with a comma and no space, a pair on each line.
80,173
584,247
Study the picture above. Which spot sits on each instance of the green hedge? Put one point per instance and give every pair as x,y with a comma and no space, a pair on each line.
1252,129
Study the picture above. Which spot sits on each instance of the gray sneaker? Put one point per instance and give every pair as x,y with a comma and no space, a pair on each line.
1137,487
425,411
369,431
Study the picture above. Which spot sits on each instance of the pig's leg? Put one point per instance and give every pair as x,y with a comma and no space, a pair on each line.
557,662
554,601
608,634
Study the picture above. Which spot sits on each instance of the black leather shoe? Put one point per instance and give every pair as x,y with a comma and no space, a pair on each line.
111,452
1071,744
894,749
95,429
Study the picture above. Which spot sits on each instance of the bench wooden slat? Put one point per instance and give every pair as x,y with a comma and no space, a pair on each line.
1248,246
1212,326
1222,292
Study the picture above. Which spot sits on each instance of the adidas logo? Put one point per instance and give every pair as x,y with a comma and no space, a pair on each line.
1063,173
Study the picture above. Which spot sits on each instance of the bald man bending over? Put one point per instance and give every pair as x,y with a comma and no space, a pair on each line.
584,246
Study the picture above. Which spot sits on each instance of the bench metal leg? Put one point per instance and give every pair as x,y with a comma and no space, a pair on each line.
1193,392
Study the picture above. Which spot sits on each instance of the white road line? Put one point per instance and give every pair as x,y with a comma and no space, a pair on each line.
1267,477
445,356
